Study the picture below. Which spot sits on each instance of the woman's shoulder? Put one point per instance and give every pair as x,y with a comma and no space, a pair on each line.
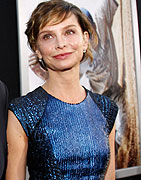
103,102
34,97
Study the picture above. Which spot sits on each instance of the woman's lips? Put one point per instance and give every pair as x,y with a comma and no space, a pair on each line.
62,56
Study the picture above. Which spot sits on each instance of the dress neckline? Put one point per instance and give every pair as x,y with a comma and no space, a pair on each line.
53,97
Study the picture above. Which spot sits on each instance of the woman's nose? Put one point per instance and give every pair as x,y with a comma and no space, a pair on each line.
60,42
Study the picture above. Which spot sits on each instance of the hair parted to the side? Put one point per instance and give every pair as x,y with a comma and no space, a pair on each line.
54,12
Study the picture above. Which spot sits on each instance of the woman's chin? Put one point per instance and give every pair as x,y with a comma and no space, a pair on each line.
62,68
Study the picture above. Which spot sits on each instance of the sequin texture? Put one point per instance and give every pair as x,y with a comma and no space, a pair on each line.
66,141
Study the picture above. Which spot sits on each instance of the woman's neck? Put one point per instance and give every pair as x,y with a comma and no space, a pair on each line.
65,86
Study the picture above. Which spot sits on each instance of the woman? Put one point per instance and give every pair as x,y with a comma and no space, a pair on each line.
3,124
61,130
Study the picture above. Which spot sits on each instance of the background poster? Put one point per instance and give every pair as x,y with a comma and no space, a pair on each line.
112,73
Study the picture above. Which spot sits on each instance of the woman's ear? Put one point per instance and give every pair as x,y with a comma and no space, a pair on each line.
38,54
86,39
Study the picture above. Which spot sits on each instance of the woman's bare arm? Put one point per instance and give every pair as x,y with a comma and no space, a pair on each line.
17,149
110,175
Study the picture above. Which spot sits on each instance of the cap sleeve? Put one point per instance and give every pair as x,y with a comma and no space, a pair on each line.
108,108
18,107
29,109
110,114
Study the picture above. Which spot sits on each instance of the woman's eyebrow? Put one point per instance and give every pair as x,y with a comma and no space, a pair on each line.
51,31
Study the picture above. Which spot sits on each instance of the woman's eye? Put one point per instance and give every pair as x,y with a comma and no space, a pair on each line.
69,32
47,36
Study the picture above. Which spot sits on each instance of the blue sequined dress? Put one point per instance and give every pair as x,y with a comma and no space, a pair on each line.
66,141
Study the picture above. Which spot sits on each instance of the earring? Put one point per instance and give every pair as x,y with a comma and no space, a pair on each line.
84,51
42,64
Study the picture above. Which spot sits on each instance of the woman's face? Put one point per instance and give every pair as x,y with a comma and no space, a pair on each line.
61,45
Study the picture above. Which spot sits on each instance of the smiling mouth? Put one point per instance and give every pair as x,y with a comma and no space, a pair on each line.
62,56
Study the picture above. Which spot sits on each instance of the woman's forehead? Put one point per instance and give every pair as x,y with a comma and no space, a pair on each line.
68,21
59,17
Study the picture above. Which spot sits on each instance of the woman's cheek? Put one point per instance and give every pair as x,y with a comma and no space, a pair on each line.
75,41
74,44
46,50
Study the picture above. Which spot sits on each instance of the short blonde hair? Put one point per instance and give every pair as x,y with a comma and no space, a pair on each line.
53,12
